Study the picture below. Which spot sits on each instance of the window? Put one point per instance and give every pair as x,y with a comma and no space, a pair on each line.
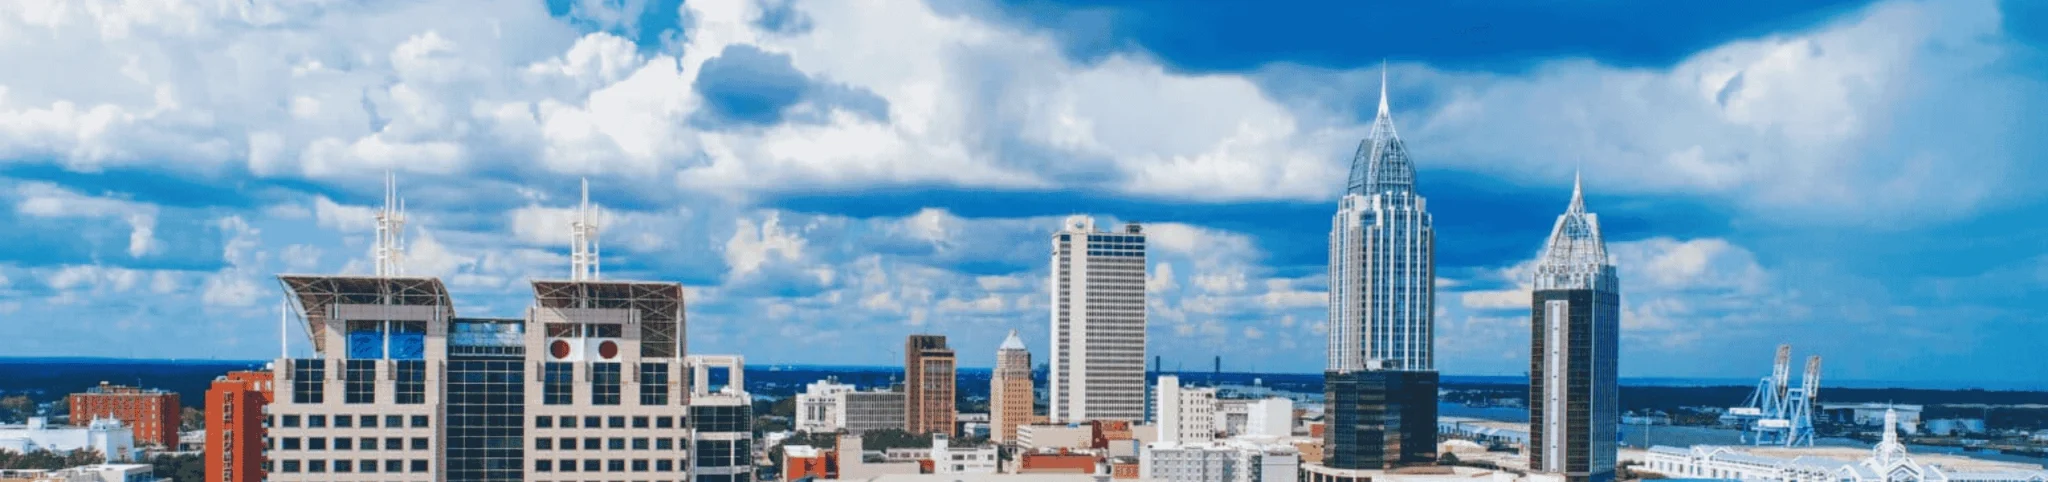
639,422
368,421
308,381
394,466
664,444
412,382
543,466
590,465
714,453
419,443
418,466
593,422
367,466
316,443
289,467
720,419
291,421
568,422
664,465
543,444
394,443
359,385
640,465
567,443
394,421
290,443
419,421
664,422
567,465
556,388
344,443
343,466
604,384
367,443
616,422
343,421
592,443
640,443
615,465
316,421
654,384
316,466
615,443
544,422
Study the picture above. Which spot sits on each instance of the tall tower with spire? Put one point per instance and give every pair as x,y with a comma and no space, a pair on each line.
1575,325
1009,394
1381,378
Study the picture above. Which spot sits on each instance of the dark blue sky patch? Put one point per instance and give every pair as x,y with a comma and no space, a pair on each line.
746,85
1240,35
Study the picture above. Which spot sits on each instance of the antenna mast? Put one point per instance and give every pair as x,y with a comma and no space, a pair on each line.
391,230
583,247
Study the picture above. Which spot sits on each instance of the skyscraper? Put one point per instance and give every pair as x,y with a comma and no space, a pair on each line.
401,388
1098,323
1009,394
1381,379
928,380
1574,324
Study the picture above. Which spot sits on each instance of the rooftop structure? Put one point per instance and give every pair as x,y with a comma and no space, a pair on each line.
107,436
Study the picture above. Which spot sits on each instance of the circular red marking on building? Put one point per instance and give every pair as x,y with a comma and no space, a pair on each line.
560,349
607,350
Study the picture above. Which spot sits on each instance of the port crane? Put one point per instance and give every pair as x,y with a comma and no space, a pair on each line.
1778,413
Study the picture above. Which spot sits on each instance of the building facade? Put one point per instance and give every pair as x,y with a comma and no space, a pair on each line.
107,436
949,459
1382,304
817,407
1010,393
1234,461
1574,345
235,434
1269,417
929,378
153,414
1098,323
1186,415
863,412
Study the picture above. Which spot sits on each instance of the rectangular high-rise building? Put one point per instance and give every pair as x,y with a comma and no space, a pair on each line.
863,412
1098,323
1381,380
929,377
1574,349
234,426
153,414
1010,394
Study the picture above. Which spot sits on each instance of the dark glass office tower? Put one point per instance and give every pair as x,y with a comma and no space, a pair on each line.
1379,419
486,400
1575,325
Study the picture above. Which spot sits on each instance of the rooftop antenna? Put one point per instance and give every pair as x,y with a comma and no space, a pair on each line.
1383,87
583,249
391,230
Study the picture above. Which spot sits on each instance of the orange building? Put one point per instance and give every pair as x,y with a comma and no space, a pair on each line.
1102,432
929,377
1123,468
234,426
803,461
1056,463
153,414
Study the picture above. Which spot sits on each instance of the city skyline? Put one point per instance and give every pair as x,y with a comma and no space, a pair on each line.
1768,177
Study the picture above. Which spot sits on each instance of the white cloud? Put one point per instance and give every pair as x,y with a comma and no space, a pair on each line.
752,246
51,201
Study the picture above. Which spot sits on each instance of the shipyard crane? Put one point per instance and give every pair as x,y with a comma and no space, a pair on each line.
1778,413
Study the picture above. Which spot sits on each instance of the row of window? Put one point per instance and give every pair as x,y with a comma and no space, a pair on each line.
348,466
346,421
613,443
346,443
557,383
359,379
593,421
613,465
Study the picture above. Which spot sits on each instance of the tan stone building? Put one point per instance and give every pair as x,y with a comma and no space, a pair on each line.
1009,395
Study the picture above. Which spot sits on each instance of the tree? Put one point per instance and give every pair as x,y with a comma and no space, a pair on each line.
886,439
192,419
18,407
178,467
47,460
1447,459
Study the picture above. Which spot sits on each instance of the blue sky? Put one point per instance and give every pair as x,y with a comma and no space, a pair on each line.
1858,179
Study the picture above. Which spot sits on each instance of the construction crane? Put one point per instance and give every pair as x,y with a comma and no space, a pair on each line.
1778,413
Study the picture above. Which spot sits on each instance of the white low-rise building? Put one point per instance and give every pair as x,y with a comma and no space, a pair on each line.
1888,462
107,436
1219,461
1269,417
947,459
817,408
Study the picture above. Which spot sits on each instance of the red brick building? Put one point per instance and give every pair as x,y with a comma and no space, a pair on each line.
153,414
800,462
234,426
1056,463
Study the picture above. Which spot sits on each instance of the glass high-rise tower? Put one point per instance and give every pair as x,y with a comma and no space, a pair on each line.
1381,380
1575,323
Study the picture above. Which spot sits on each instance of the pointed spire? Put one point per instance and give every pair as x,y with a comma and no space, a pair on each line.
1012,342
1383,88
1578,195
